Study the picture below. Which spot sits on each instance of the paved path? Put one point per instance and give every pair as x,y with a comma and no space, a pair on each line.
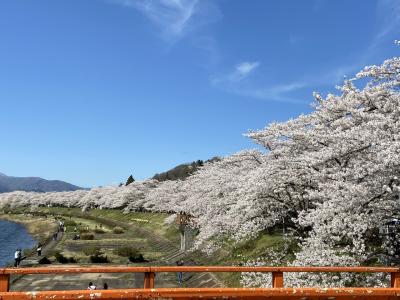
34,259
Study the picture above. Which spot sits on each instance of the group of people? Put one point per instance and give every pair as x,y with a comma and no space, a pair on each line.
61,229
18,255
92,286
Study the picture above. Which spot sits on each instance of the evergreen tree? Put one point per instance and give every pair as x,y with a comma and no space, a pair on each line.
130,180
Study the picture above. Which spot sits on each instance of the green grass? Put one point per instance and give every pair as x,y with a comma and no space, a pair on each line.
109,241
237,253
230,253
153,222
257,247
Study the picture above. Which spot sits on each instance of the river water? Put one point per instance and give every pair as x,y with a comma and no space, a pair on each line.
12,237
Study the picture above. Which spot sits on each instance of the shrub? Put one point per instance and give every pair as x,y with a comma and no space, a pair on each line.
118,230
95,255
99,230
60,258
44,261
98,257
101,258
87,236
83,230
137,258
69,223
133,254
63,259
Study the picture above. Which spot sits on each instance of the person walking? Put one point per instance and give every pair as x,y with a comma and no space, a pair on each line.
39,250
17,257
180,274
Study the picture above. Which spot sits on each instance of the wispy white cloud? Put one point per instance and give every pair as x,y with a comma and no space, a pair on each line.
279,93
234,82
245,68
241,71
175,18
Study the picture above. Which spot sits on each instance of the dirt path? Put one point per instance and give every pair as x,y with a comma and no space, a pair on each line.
33,259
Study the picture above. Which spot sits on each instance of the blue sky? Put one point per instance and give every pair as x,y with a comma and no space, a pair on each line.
94,90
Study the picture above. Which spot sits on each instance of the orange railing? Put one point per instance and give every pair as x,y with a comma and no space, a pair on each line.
277,291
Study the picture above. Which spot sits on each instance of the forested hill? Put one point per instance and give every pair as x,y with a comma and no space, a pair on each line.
182,171
33,184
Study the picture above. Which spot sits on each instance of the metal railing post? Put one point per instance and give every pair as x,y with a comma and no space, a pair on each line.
149,280
277,279
4,282
395,279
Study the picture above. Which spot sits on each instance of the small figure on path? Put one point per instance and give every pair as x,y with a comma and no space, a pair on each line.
180,274
60,226
17,257
39,250
91,286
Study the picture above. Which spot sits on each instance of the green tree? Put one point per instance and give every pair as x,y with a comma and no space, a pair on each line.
130,180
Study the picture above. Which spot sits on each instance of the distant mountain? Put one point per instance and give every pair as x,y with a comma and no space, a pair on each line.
182,171
34,184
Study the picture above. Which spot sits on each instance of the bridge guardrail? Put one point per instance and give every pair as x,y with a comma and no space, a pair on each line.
149,291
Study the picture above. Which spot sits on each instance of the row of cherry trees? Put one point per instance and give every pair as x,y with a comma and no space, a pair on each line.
332,176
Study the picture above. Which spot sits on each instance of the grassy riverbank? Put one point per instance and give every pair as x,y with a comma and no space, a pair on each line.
137,231
103,233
